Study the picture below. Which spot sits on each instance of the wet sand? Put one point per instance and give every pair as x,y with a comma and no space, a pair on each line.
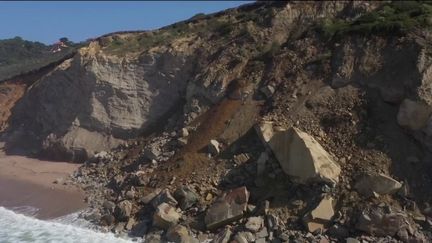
29,182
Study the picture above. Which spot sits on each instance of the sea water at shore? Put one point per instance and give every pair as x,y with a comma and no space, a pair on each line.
34,209
16,227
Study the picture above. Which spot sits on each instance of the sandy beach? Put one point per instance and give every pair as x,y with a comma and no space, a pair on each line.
29,182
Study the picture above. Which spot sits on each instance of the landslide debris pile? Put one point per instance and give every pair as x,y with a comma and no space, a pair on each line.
271,122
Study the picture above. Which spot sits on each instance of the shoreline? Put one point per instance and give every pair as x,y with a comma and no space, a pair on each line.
30,182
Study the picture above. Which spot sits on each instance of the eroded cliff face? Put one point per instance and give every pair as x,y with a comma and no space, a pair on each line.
93,102
399,69
112,92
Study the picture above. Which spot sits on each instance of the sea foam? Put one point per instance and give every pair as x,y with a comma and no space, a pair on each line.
16,227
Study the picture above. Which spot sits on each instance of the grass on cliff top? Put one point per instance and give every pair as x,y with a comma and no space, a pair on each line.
222,25
394,17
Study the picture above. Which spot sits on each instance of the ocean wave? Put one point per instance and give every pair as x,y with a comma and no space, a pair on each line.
17,228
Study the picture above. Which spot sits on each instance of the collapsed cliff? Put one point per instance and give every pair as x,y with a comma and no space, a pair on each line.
120,85
300,116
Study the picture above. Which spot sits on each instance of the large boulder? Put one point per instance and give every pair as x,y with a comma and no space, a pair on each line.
381,184
414,115
302,157
227,208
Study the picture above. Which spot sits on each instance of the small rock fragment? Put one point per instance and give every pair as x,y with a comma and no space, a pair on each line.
244,237
186,197
268,90
165,216
228,208
149,197
123,210
377,183
178,234
265,131
109,206
184,132
164,197
107,220
152,153
352,240
213,147
254,224
413,114
223,237
320,216
130,223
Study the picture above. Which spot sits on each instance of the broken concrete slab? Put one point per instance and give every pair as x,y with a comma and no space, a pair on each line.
320,216
381,184
227,208
303,158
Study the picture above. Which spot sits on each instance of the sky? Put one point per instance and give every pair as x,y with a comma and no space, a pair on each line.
47,21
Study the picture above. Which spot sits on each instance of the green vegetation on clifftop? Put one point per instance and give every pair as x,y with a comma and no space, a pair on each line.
394,17
18,56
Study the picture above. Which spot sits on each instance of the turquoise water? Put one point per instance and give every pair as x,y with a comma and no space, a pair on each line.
17,228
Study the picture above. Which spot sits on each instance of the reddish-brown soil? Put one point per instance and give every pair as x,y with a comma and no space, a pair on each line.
10,93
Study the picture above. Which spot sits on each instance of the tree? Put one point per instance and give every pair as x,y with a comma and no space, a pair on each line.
66,41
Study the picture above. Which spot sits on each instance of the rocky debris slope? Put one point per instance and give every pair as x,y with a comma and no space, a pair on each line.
337,152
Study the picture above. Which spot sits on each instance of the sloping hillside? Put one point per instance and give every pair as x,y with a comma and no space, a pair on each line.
18,56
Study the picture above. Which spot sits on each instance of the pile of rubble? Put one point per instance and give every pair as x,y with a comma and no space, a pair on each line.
210,212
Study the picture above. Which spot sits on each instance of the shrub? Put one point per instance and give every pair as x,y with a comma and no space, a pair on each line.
395,17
